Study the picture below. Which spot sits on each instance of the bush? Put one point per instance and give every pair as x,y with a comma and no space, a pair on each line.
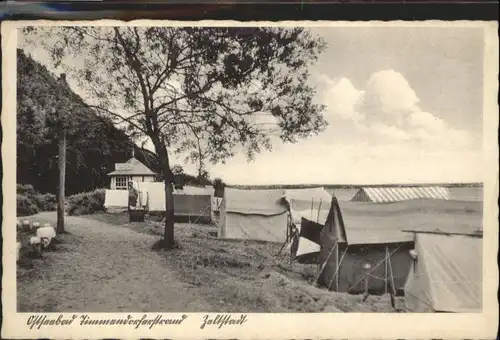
26,189
26,206
30,201
46,202
86,203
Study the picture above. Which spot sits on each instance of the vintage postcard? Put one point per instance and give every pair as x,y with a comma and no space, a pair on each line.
250,180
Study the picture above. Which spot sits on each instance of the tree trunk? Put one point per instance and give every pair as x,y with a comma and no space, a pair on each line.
62,180
168,236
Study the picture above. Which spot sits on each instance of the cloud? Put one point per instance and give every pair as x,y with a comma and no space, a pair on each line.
429,128
388,93
390,131
341,98
427,121
388,108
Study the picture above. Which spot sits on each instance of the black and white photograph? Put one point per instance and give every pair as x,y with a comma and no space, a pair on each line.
231,170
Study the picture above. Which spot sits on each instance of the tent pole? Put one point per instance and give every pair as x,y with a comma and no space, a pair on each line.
199,216
288,225
386,269
288,237
319,208
281,249
337,266
393,288
325,263
337,270
312,205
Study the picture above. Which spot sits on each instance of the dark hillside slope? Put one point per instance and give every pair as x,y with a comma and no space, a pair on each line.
94,143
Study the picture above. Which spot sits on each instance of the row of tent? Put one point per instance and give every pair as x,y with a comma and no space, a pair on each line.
193,201
194,204
445,275
273,210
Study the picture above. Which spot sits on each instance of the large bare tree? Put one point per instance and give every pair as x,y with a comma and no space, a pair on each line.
206,92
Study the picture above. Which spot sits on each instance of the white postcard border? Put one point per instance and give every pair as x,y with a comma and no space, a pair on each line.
261,325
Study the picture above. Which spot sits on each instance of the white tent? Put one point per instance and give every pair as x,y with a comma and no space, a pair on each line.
310,203
155,193
446,275
116,200
396,194
254,214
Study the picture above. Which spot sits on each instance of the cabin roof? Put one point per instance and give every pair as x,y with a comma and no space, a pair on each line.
130,168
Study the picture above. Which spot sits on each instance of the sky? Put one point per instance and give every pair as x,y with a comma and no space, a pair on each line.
404,105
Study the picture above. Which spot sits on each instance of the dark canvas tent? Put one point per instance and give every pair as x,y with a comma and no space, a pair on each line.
254,214
446,275
310,206
191,204
309,239
350,240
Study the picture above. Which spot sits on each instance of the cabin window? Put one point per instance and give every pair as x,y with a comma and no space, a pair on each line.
121,183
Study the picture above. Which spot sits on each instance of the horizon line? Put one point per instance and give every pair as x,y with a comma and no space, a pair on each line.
361,185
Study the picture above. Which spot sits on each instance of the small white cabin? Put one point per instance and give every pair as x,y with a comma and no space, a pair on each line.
131,171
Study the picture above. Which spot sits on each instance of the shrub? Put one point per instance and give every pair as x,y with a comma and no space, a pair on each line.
26,206
26,189
46,202
30,201
86,203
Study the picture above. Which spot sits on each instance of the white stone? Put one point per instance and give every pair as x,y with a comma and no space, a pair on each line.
18,250
35,240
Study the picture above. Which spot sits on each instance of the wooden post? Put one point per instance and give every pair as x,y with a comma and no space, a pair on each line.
62,179
61,136
367,267
312,206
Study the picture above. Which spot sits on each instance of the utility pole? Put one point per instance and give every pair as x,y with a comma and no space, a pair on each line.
61,136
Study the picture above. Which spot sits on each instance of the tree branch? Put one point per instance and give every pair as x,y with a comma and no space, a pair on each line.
116,115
